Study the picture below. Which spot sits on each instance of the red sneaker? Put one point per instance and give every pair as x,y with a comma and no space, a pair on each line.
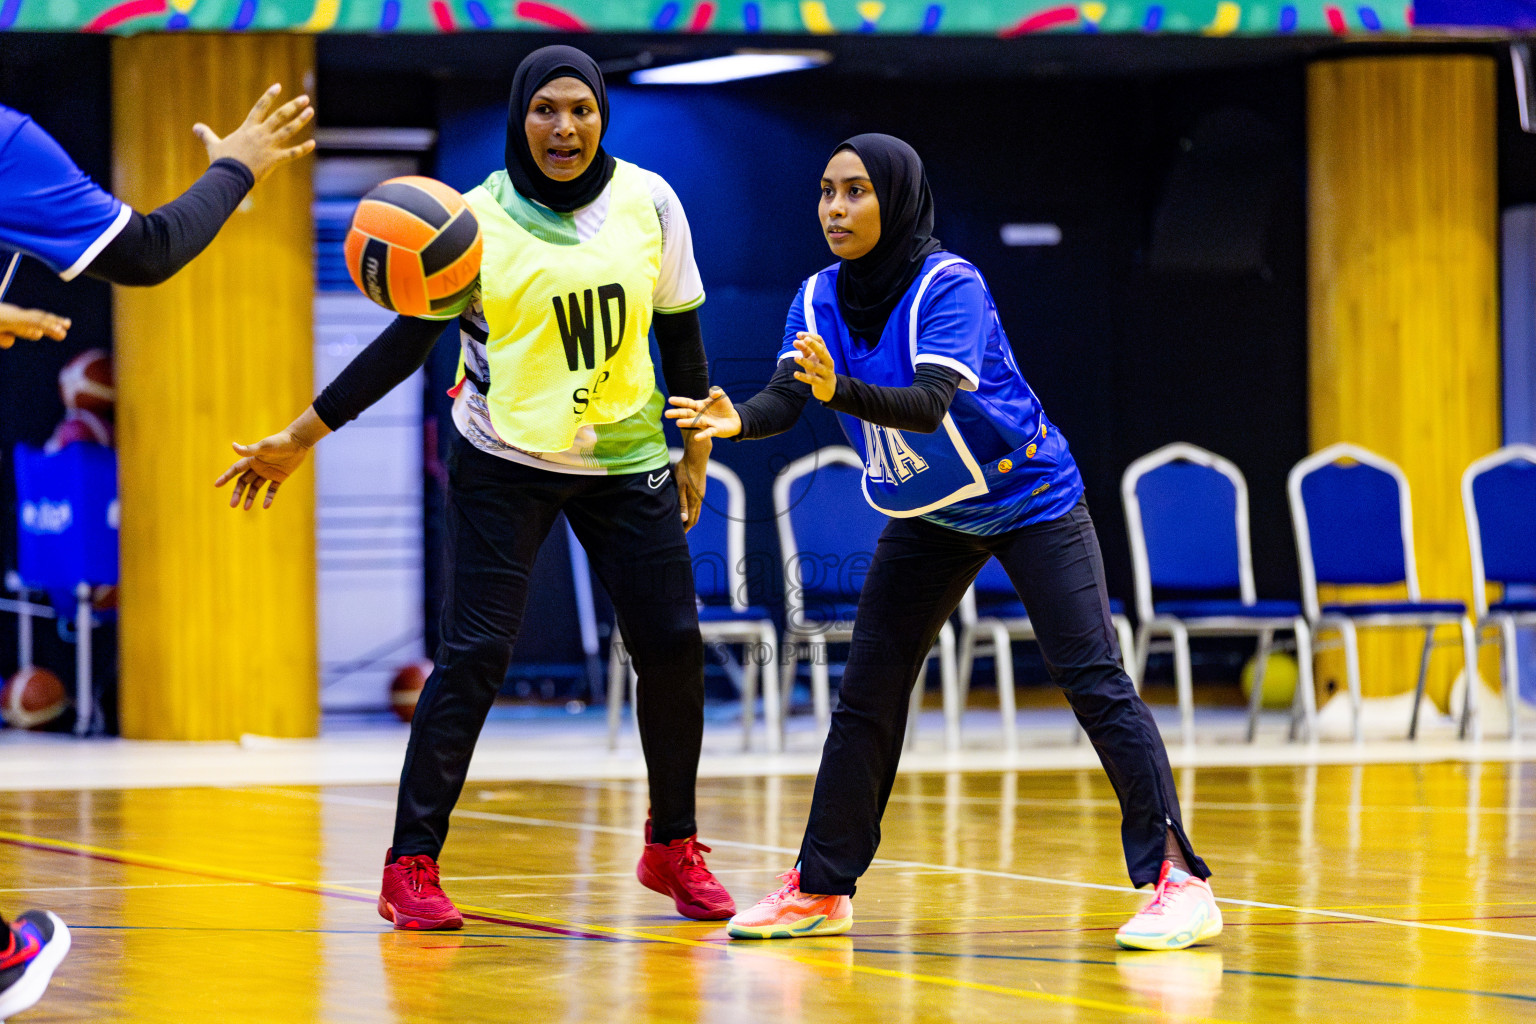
677,869
411,897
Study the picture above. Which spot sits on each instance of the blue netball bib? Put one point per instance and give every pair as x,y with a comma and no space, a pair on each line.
995,446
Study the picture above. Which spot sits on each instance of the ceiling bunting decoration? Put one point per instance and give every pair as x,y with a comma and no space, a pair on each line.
1006,18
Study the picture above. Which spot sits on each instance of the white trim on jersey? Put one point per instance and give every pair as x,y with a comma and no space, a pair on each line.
969,382
124,211
10,272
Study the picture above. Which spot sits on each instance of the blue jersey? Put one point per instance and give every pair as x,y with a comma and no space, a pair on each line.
49,209
997,463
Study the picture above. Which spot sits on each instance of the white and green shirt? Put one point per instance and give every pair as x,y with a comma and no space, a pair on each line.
633,445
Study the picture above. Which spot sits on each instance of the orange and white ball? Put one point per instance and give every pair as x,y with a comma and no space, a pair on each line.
414,246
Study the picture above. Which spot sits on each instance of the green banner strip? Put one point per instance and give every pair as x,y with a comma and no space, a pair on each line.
1007,18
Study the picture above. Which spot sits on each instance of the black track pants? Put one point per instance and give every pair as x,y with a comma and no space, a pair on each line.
498,515
919,574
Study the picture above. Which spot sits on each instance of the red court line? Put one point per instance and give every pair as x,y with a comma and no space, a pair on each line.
285,887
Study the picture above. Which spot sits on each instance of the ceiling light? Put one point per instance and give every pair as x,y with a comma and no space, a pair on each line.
745,64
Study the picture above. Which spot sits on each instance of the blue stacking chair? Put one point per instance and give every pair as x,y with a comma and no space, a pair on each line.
991,617
827,534
1498,495
719,548
1186,511
1354,526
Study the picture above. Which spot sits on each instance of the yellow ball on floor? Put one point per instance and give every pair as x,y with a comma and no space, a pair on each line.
1279,679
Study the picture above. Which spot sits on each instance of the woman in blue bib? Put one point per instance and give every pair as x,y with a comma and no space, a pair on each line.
903,341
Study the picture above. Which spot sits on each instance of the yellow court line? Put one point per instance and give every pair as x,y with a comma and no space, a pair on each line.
192,867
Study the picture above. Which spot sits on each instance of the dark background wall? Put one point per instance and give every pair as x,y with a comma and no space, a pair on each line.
1173,309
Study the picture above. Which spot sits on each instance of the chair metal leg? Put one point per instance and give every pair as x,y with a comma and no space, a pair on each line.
950,684
1418,690
773,717
750,671
1127,641
790,671
966,656
617,660
1471,721
1352,676
1143,651
1003,647
1510,659
1184,679
915,708
821,681
1306,694
634,698
1261,665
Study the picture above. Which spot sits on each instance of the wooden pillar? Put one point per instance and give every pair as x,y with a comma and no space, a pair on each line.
218,606
1404,315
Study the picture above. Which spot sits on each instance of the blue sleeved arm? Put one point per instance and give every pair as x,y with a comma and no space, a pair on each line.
49,208
794,323
952,324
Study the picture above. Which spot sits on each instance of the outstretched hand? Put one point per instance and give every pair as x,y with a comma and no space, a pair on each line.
708,418
816,366
261,143
267,463
31,324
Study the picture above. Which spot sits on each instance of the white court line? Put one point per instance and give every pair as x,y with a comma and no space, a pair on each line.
1200,805
511,819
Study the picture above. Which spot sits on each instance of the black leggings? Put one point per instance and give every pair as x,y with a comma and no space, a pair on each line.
919,574
498,515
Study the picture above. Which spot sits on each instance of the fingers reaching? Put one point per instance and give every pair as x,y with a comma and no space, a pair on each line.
264,104
31,324
233,471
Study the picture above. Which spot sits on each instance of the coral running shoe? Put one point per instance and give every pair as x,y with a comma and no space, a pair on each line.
1180,914
677,869
792,914
411,897
38,942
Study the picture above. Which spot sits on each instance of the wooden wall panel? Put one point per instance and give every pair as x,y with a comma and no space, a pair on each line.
218,606
1404,317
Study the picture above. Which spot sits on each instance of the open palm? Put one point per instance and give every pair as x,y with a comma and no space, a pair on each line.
714,416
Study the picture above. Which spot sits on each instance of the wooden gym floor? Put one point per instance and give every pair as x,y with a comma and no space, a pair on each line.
1381,892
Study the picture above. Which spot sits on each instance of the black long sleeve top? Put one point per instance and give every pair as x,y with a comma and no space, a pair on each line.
919,407
152,247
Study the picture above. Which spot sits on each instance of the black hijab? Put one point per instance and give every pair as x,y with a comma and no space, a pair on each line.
869,287
537,69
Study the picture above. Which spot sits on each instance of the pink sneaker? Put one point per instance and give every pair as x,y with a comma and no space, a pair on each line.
1180,914
677,869
411,897
792,914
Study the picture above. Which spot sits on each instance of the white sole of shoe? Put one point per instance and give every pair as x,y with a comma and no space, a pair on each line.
29,988
1207,929
819,925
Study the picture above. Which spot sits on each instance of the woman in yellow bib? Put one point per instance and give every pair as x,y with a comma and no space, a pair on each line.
557,410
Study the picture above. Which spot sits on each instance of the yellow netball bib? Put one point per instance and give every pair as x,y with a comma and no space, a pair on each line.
569,325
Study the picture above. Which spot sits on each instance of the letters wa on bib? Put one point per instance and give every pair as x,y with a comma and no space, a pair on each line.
997,462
